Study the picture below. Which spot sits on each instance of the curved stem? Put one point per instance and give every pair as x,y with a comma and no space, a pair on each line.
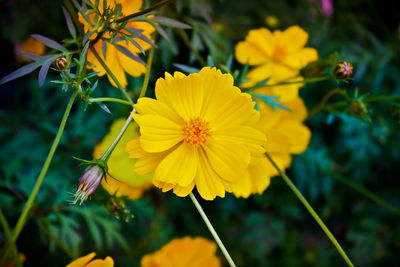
109,99
109,72
116,140
147,75
187,42
311,211
325,99
7,232
212,230
22,219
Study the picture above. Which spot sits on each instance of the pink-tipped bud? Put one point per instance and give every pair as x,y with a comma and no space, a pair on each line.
61,63
88,183
343,70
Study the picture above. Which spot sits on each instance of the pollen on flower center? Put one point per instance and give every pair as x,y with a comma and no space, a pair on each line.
196,132
279,53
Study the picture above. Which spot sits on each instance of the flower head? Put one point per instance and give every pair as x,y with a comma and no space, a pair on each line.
117,61
86,261
127,182
198,132
277,56
88,183
343,70
187,251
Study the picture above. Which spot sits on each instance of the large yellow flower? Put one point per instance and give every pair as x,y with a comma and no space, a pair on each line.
120,166
286,135
118,62
199,132
184,252
85,261
277,56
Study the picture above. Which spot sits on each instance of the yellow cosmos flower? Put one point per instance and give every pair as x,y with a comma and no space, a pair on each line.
32,46
118,62
184,252
286,135
278,56
199,132
85,261
120,166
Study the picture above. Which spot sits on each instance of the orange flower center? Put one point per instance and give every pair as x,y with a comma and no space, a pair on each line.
279,53
196,132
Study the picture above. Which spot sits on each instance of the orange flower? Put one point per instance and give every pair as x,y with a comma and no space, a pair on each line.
187,251
85,261
32,46
118,62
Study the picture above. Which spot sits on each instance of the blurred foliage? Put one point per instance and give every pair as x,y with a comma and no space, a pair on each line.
265,230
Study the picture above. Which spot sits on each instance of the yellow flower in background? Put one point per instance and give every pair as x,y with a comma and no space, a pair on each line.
286,135
120,166
184,252
85,261
118,62
199,131
277,56
32,46
271,21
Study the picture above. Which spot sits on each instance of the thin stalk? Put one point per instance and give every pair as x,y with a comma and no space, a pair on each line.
7,232
109,99
22,219
109,72
212,230
366,193
304,81
325,99
381,98
143,12
187,42
147,75
311,211
116,140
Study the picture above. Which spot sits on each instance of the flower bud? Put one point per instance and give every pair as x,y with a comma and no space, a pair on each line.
358,109
343,70
61,63
88,183
114,26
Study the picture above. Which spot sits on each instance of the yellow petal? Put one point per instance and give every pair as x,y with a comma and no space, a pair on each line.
228,159
301,58
298,133
82,261
132,67
278,141
148,105
298,110
179,167
294,38
256,49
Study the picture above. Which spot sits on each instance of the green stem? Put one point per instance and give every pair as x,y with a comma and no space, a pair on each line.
22,219
147,75
55,239
109,99
366,193
116,140
7,232
212,230
304,81
187,42
325,99
381,98
109,72
311,211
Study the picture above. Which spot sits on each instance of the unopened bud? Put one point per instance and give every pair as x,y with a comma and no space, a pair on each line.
61,63
116,206
114,26
358,109
88,183
343,70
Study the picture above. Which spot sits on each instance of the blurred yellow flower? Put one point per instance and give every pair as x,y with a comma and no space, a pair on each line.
199,132
120,166
118,62
286,135
277,56
32,46
184,252
271,21
85,261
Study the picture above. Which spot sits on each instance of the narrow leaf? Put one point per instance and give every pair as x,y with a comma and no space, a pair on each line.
21,72
185,68
43,72
86,37
36,57
170,22
82,58
161,31
271,100
128,53
104,49
50,43
70,24
136,44
104,107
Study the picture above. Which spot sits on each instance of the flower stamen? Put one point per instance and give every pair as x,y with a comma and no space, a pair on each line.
196,132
